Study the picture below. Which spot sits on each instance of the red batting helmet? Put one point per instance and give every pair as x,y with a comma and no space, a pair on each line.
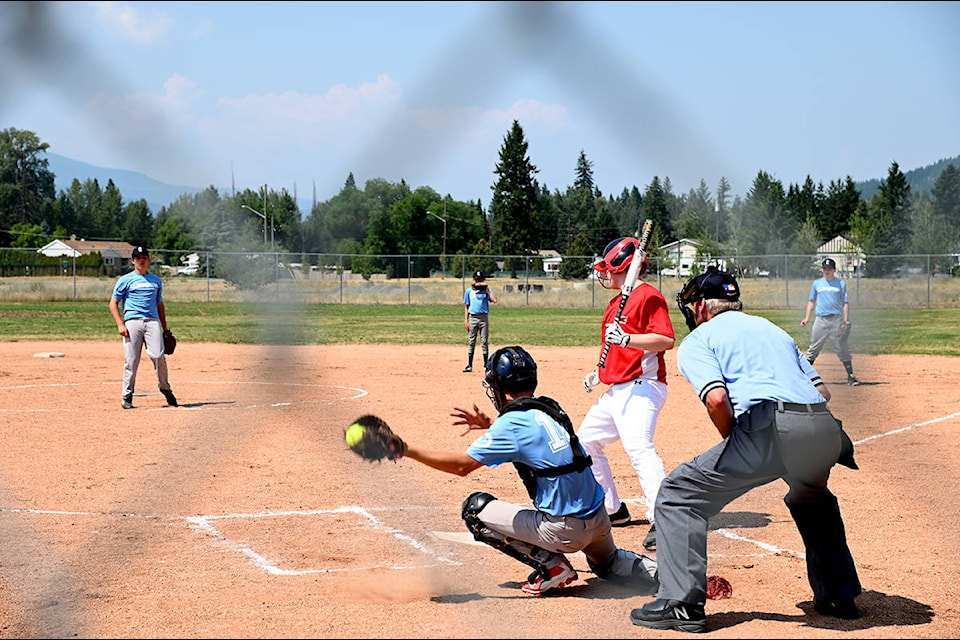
617,257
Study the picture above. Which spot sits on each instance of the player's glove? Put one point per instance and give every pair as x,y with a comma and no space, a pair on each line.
169,342
591,380
615,335
372,439
844,331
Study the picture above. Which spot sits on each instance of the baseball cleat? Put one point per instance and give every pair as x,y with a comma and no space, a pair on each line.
843,609
560,576
467,369
127,402
171,399
650,542
852,381
621,518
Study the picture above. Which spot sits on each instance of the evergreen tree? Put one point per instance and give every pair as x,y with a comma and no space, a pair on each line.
26,182
514,201
946,196
890,217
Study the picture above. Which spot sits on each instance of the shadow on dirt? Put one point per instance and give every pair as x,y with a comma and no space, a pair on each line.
876,610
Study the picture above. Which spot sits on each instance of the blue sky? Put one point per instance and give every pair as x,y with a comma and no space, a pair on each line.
297,95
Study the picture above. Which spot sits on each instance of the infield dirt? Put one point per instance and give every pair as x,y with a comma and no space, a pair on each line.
242,513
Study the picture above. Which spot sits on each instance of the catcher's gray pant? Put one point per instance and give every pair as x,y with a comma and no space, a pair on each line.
558,535
143,332
695,492
479,325
825,327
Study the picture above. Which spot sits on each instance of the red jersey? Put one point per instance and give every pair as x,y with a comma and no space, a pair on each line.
645,312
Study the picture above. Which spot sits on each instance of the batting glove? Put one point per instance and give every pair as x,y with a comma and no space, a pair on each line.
591,380
615,335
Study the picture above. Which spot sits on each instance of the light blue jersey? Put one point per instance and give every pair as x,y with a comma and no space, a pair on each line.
477,300
535,439
829,295
754,359
139,295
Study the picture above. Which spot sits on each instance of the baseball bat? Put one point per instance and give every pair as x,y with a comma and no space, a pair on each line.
644,235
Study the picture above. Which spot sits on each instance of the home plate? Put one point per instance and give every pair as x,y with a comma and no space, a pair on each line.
49,354
463,537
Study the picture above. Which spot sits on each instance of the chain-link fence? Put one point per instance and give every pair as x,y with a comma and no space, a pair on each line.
768,281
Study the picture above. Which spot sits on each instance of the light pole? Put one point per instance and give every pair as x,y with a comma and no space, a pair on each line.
443,258
264,225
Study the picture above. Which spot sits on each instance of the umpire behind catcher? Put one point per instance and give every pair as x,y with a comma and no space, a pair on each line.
769,404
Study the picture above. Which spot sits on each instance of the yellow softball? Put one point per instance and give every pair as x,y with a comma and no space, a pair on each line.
354,434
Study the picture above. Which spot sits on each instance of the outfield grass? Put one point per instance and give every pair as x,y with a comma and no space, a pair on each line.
886,331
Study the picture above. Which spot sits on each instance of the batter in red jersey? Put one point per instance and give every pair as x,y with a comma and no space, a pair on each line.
636,374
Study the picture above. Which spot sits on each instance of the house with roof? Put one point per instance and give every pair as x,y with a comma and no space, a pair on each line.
114,253
849,256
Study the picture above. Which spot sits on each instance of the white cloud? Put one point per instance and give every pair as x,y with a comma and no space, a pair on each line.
124,20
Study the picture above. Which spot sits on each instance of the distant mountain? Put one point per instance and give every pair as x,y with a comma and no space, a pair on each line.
921,180
133,186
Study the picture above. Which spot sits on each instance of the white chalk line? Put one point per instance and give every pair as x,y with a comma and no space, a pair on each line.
354,393
800,554
204,523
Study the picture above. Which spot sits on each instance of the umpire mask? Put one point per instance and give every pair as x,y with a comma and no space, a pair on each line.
711,284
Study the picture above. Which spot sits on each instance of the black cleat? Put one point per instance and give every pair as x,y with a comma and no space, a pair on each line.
621,518
171,399
127,401
843,609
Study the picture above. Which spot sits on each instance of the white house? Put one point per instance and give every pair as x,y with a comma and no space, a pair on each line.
114,253
551,261
680,256
849,256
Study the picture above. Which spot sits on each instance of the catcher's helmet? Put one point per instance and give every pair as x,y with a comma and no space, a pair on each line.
509,369
617,257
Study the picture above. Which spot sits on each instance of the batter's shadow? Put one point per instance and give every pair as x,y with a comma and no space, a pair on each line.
876,610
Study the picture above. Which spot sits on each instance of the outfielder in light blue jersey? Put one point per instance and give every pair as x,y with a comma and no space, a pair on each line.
828,295
138,309
537,437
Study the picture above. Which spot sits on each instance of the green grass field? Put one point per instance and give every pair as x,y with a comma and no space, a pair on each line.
881,331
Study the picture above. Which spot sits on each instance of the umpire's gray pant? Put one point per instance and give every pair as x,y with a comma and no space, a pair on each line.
694,492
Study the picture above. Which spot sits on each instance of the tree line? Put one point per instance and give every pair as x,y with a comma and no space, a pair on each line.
383,218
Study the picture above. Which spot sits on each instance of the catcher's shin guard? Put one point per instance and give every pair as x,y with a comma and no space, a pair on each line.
525,552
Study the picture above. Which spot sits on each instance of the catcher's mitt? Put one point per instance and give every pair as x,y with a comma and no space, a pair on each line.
372,439
718,587
169,342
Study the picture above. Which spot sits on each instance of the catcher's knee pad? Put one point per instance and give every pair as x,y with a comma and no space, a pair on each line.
471,507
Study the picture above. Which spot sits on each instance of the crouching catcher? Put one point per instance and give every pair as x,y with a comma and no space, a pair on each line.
568,514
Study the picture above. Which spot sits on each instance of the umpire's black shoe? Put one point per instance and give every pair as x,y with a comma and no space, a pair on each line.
843,609
621,518
127,402
171,399
670,614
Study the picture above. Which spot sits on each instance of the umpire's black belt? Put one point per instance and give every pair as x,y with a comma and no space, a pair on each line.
820,407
